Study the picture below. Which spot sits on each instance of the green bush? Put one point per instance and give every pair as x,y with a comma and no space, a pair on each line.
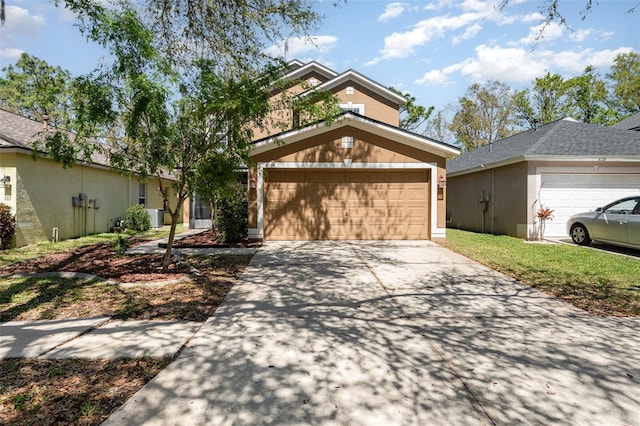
7,226
137,218
232,213
120,246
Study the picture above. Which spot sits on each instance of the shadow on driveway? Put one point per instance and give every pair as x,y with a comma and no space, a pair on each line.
393,333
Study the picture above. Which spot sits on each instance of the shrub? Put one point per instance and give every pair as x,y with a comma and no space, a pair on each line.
232,213
137,218
120,246
7,226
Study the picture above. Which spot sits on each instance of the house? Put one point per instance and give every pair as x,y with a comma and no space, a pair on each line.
567,166
358,177
629,123
50,202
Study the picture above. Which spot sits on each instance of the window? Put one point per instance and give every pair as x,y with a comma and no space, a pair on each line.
350,90
623,207
313,82
347,141
351,107
142,193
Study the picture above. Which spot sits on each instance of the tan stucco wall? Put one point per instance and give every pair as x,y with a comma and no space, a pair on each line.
42,191
367,148
375,106
504,187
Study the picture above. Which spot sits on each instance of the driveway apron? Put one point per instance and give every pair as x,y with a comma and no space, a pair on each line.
404,333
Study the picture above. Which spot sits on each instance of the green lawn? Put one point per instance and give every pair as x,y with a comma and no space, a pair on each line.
40,249
599,282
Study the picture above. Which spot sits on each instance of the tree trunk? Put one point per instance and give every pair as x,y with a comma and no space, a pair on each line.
166,261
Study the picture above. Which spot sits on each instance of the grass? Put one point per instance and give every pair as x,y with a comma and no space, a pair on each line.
599,282
10,256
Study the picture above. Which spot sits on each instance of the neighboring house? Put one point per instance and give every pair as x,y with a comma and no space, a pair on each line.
359,177
629,123
567,166
51,202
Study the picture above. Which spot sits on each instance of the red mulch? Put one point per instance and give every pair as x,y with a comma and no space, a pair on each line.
210,239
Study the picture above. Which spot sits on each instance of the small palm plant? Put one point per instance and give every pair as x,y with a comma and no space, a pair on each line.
544,214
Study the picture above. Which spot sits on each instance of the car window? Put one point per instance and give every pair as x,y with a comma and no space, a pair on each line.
623,207
636,210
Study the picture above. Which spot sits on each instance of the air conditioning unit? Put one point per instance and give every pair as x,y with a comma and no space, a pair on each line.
157,217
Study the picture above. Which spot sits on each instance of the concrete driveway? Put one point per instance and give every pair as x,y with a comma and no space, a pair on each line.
393,333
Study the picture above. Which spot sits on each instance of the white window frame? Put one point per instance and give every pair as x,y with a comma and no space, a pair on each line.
350,106
142,193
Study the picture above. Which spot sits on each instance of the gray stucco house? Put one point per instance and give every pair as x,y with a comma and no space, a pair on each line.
565,165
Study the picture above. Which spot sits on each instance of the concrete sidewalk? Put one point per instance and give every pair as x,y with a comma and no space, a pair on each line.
393,333
94,338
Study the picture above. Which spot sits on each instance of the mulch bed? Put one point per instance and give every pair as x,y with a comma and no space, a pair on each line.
210,239
101,260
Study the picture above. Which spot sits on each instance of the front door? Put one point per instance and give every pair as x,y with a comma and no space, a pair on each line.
200,213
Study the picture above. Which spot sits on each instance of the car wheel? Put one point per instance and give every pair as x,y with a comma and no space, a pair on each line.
580,235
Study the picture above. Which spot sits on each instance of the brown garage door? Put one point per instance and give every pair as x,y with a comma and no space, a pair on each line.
339,204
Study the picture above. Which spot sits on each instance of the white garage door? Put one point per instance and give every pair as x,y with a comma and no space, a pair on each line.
568,194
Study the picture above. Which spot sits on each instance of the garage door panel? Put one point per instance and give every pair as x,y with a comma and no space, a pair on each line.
343,204
568,194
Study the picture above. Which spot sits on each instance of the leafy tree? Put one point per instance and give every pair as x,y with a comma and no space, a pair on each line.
412,116
485,114
625,77
544,102
587,98
437,127
187,78
34,89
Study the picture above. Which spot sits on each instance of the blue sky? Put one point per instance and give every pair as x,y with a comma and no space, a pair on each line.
433,49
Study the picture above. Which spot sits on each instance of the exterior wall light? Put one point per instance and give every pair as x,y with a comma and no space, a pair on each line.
442,182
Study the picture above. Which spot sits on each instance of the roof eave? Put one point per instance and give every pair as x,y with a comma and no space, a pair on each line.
563,158
388,132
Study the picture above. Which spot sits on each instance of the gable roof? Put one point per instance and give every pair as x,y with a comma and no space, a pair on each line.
370,84
298,69
562,140
629,123
361,122
18,132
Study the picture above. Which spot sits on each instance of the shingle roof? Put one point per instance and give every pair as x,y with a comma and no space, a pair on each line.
20,132
629,123
349,118
563,139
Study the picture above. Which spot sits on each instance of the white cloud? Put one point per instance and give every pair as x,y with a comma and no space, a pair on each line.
520,65
579,35
402,44
10,54
392,11
296,46
544,32
19,23
469,33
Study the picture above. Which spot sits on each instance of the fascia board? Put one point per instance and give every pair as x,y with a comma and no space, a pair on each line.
547,158
573,158
391,133
364,81
310,67
490,166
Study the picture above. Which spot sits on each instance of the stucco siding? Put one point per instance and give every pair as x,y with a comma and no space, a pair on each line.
41,192
492,201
